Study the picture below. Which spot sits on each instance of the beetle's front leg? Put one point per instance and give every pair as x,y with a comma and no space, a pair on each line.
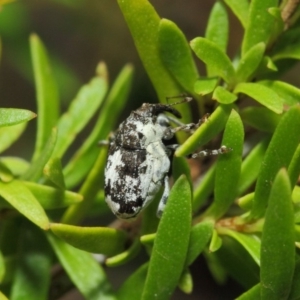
164,197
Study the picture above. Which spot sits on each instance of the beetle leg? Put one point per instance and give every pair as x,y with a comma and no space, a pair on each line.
164,197
204,153
188,127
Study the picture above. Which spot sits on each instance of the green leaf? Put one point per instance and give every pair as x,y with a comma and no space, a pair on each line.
261,94
83,270
89,189
260,24
295,289
223,96
35,170
205,85
277,245
5,174
16,165
290,51
228,167
108,241
20,197
176,54
144,31
217,26
180,166
46,93
126,256
8,135
241,9
52,198
204,188
32,274
260,118
215,243
251,294
132,288
276,157
294,167
13,116
217,30
53,172
80,111
215,58
200,236
251,165
250,62
251,243
289,93
85,157
186,282
167,262
2,296
2,267
205,132
237,262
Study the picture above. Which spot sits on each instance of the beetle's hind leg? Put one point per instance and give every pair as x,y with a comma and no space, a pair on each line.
223,149
164,197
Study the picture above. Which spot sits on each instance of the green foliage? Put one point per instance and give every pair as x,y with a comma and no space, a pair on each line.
243,215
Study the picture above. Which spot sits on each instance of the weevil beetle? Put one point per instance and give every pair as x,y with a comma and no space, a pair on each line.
139,160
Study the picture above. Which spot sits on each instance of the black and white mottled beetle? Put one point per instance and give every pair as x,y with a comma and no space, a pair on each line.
138,160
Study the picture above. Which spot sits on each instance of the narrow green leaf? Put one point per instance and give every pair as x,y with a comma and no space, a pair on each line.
223,96
214,58
277,245
2,296
251,165
89,189
32,274
132,288
2,267
260,118
83,159
186,282
289,93
294,167
53,172
251,243
205,85
5,173
108,241
83,270
180,166
167,262
241,9
217,26
261,94
295,289
205,132
260,24
8,135
176,54
80,111
251,294
13,116
215,243
204,188
217,31
276,157
16,165
52,198
228,167
46,93
20,197
246,201
237,262
35,170
200,236
250,62
126,256
145,35
290,51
